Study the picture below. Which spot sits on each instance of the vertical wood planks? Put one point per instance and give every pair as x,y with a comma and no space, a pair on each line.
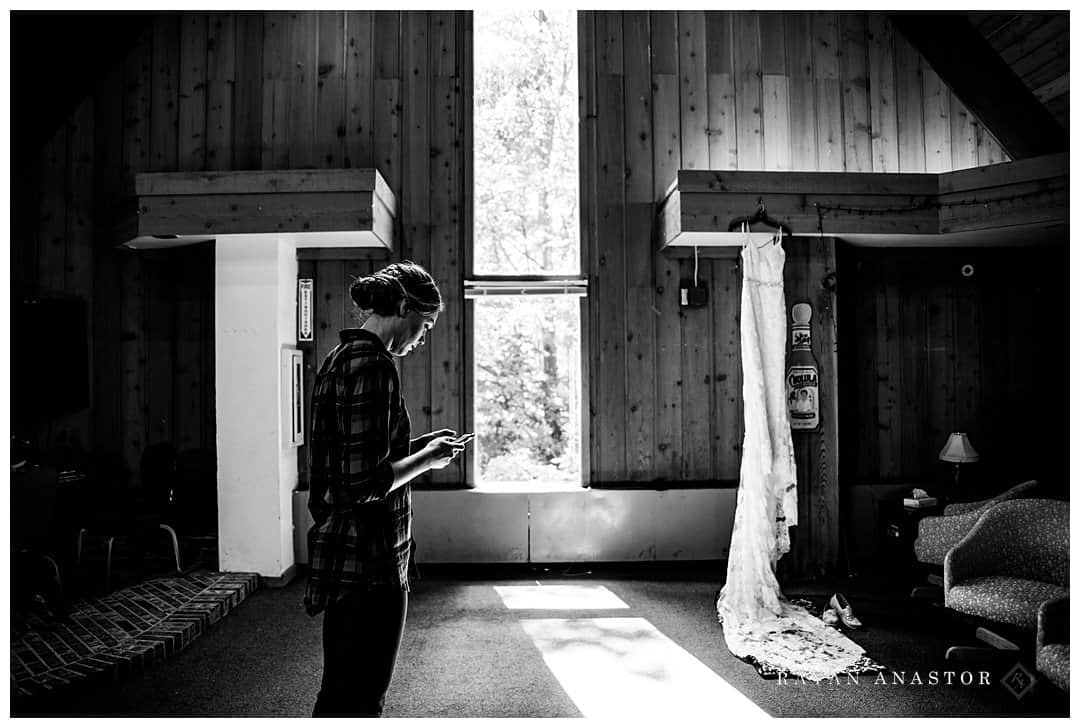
666,162
861,431
248,92
776,121
359,89
220,85
640,338
747,43
962,140
303,79
164,95
967,362
416,190
188,400
587,171
192,119
137,100
800,69
696,353
334,306
827,98
52,252
824,444
444,343
913,369
854,79
330,94
609,293
387,87
696,379
909,107
52,214
104,331
79,263
693,90
725,294
723,144
889,375
277,55
160,340
936,121
940,351
884,137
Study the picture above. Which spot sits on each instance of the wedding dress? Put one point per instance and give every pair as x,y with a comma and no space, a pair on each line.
758,621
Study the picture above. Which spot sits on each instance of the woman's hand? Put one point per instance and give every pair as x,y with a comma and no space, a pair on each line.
421,442
441,451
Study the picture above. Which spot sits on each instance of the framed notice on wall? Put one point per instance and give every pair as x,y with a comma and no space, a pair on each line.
305,331
292,400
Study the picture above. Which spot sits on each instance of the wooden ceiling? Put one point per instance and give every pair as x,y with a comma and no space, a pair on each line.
1036,47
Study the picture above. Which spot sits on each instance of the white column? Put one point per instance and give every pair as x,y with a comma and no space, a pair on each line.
255,320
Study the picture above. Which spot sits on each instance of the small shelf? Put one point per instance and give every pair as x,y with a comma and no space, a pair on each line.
324,208
1023,202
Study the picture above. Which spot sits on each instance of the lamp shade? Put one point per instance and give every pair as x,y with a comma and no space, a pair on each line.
958,449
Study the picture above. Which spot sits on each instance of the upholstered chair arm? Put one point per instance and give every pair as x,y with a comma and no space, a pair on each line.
956,509
976,553
1054,622
1018,490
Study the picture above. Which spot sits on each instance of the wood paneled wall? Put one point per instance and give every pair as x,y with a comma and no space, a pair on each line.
671,90
247,90
929,351
660,91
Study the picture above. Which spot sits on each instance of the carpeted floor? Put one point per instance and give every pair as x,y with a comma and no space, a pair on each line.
465,654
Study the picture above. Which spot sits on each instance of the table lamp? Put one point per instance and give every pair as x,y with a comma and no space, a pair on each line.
958,450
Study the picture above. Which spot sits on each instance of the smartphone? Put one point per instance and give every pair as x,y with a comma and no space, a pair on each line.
463,438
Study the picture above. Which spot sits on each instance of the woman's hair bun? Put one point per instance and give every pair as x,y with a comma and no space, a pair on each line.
383,291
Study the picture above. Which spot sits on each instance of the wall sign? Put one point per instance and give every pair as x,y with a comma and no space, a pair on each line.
305,310
292,396
802,374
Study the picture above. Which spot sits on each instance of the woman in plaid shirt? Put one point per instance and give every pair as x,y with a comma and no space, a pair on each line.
362,460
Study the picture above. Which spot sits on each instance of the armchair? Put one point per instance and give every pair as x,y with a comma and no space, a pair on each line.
938,534
1052,641
1014,559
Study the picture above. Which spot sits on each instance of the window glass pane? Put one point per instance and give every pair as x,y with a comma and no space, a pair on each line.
525,142
528,389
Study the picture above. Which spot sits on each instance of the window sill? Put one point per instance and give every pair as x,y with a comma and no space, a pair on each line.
537,487
530,487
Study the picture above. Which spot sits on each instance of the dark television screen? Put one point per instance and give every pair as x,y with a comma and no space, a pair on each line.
49,354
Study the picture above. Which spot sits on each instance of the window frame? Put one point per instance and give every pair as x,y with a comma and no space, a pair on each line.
554,284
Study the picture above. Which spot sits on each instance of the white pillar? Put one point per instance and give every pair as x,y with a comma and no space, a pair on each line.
255,320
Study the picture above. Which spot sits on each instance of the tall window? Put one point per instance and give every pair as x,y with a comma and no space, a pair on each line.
524,285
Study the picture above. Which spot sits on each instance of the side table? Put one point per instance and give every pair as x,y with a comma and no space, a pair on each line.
899,529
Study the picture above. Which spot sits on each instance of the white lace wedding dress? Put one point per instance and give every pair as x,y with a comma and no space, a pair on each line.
758,621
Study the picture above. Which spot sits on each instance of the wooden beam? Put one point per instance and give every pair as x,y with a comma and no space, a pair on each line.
984,82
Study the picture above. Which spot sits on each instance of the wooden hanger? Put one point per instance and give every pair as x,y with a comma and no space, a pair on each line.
759,216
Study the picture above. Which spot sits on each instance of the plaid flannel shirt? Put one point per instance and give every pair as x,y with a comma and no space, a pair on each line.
362,532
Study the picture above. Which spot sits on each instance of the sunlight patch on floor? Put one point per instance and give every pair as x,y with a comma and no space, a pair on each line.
621,667
559,596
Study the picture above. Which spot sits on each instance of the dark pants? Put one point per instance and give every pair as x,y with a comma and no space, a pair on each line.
361,635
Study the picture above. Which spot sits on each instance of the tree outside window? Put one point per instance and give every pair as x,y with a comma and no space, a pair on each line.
527,350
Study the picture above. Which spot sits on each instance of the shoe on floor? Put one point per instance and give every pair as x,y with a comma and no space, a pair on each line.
830,617
843,608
